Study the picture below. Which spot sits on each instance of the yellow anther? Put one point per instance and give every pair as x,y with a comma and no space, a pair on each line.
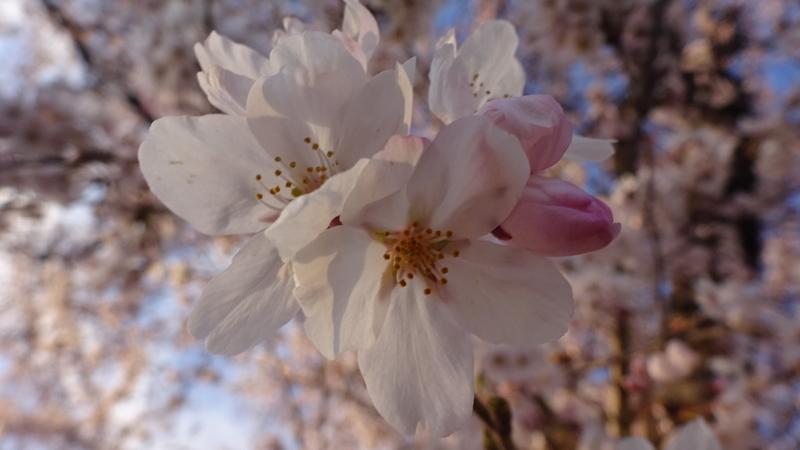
276,189
437,233
278,173
315,146
259,196
288,184
445,270
258,177
307,140
309,169
428,231
448,234
443,281
488,92
410,276
305,181
277,159
329,154
292,164
415,224
427,291
403,283
386,256
456,253
386,234
475,77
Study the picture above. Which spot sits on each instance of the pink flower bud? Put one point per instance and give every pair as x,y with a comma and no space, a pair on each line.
557,218
538,121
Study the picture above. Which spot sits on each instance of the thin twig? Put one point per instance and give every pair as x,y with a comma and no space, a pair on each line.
483,413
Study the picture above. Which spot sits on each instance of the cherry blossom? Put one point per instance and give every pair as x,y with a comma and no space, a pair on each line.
406,275
484,68
309,132
230,69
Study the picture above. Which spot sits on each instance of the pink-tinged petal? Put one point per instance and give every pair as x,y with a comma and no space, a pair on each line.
507,295
635,443
420,370
315,77
538,121
695,435
557,218
247,302
204,169
360,25
387,173
352,47
339,285
589,149
469,178
225,89
240,59
373,115
309,215
449,94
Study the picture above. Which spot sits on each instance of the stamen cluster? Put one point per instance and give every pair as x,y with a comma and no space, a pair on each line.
297,180
417,251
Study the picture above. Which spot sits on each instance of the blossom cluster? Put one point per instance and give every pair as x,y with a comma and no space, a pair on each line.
392,245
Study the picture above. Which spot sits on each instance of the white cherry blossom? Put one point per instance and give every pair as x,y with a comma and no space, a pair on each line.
463,80
484,68
230,69
406,276
311,130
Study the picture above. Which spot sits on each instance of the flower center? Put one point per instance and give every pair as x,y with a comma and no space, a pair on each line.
417,252
293,180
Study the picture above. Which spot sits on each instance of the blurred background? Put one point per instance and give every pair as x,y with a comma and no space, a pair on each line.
694,311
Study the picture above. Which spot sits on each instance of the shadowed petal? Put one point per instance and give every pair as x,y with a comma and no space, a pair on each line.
420,370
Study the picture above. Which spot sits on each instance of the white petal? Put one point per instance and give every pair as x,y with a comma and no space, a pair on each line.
317,59
361,26
370,118
635,443
247,302
421,368
449,94
507,295
387,173
225,89
309,215
339,278
589,149
405,79
285,137
240,59
695,435
204,169
488,53
469,179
